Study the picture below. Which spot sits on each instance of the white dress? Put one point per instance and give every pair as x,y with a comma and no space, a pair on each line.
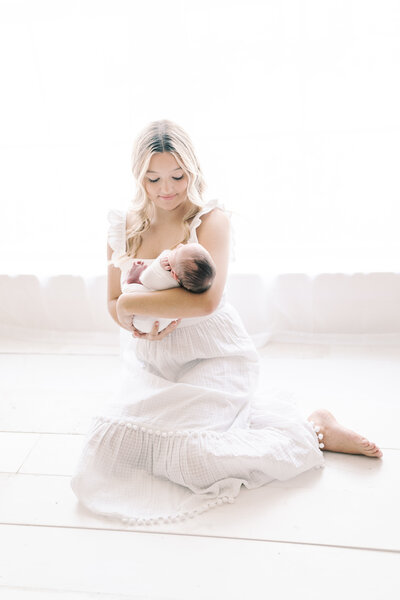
186,429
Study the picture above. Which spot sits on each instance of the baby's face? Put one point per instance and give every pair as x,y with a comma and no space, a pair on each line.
184,252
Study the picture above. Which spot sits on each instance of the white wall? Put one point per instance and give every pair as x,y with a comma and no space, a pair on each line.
292,106
358,308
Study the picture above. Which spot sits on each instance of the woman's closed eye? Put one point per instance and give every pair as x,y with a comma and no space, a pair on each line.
176,179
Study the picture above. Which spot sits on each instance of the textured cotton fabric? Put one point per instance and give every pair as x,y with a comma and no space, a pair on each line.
155,277
186,427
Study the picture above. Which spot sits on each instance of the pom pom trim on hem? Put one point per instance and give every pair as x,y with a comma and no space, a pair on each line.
320,436
176,517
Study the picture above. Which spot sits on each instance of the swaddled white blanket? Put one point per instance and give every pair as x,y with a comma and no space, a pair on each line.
155,277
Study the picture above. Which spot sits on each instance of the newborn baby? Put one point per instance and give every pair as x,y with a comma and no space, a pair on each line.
188,265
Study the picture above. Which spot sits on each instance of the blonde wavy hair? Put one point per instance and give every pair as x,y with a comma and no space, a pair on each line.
162,136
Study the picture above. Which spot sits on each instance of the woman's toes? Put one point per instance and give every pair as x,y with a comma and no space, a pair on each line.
368,446
374,452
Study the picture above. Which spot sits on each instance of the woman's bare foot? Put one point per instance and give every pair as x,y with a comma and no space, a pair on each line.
338,438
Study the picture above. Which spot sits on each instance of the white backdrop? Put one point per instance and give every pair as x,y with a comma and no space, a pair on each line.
293,107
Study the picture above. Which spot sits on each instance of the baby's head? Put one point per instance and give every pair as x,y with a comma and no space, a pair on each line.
193,267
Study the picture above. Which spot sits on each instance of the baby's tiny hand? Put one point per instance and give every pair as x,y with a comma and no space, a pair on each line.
137,269
164,262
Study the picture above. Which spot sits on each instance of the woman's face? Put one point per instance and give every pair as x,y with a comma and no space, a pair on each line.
165,181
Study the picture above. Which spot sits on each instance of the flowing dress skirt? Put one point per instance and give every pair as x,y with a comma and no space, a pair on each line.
186,427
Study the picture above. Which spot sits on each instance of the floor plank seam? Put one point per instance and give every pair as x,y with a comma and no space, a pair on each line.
43,432
28,455
61,353
205,536
66,591
69,476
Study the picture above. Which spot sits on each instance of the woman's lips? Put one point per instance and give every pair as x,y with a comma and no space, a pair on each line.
167,197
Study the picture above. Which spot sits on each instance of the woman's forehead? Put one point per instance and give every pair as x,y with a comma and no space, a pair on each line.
163,162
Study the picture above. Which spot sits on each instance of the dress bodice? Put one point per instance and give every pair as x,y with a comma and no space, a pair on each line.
117,232
117,241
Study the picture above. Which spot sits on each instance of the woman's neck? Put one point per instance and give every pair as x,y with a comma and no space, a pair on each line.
171,217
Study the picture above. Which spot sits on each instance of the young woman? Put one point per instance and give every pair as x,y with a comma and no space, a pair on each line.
187,428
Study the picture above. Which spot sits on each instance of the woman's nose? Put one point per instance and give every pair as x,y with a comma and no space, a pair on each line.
166,188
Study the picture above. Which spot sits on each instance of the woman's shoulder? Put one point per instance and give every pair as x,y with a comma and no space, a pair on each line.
216,218
213,225
212,215
217,212
212,207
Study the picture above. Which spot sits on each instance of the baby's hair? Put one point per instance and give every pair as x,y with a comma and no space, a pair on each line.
197,274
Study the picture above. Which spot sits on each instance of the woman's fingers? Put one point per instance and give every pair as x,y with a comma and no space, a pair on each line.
151,335
137,332
154,329
154,334
168,329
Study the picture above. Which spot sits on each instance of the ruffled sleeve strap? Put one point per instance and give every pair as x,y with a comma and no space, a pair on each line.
116,236
209,206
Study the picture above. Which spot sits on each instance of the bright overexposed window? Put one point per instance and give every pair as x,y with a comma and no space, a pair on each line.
293,108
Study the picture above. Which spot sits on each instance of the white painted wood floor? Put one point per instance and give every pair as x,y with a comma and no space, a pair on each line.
329,533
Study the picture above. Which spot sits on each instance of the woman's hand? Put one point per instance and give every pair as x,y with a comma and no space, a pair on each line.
154,334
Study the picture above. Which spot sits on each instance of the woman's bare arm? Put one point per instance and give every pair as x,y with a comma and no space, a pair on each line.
114,290
214,235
